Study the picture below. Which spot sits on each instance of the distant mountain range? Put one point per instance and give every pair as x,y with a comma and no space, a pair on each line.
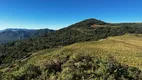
11,34
16,29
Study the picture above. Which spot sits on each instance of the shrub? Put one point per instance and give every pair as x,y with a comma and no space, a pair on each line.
31,72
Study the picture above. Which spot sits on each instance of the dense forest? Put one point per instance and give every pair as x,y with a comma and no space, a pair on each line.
87,30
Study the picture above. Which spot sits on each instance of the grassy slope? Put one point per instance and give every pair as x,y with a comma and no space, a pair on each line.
125,49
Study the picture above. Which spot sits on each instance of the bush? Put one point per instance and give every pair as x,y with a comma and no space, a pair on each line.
85,67
78,67
4,76
32,72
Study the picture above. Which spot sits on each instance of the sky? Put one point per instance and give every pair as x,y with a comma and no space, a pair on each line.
56,14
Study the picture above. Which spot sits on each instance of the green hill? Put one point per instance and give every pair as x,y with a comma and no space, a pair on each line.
114,58
87,30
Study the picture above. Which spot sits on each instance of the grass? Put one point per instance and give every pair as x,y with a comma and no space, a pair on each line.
126,49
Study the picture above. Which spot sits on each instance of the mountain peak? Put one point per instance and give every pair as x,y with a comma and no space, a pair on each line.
94,21
88,22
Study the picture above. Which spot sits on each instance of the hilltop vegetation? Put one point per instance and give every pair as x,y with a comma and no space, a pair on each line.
79,32
114,58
